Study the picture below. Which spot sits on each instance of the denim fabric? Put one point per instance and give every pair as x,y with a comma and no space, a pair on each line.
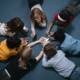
76,74
4,76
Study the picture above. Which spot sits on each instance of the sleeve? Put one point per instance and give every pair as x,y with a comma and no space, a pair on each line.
42,24
45,62
32,26
24,28
56,16
16,52
34,62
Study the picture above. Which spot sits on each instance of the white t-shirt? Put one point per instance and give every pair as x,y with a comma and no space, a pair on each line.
3,30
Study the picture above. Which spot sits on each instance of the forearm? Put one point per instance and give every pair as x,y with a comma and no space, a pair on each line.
50,26
39,56
33,43
32,26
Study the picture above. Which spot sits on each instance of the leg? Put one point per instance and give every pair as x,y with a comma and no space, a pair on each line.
76,74
74,3
77,9
4,76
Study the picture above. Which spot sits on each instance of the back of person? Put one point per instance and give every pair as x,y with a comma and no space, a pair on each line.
8,48
70,45
17,72
60,63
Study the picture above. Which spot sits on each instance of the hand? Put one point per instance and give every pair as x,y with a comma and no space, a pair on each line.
26,29
33,34
23,43
52,33
47,32
0,24
44,43
41,39
51,39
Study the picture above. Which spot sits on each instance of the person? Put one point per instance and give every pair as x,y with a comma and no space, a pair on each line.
11,27
37,15
23,62
65,17
57,60
67,42
11,47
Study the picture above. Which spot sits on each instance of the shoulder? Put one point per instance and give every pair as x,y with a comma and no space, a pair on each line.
56,16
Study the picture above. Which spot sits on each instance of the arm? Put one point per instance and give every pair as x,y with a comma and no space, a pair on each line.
32,26
45,62
33,29
36,42
39,56
50,26
25,29
42,24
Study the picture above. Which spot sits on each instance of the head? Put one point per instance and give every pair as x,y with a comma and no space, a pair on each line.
25,55
15,25
64,16
59,34
37,14
49,50
13,42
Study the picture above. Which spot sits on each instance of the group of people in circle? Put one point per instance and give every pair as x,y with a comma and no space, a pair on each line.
52,57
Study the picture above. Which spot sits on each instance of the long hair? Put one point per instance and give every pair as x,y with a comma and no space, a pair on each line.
15,25
39,12
25,56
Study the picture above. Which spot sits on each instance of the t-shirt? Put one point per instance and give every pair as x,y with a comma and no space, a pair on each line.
15,71
3,30
6,53
71,45
66,23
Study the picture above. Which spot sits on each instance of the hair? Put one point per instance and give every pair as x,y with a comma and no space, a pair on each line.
65,14
50,50
59,34
15,25
39,12
25,55
13,42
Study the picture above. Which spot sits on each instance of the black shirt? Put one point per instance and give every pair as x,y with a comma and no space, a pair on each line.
15,71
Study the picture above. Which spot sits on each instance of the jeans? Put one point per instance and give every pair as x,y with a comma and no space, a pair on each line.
3,75
76,74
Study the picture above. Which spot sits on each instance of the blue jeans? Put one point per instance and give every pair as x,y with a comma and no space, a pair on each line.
76,74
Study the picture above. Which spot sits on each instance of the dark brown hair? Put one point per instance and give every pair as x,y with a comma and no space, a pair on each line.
49,50
15,25
25,55
39,12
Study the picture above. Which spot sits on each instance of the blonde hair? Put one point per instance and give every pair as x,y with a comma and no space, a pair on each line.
25,56
39,12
